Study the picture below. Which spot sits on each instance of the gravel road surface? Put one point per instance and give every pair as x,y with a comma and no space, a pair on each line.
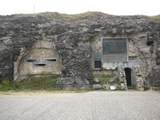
98,105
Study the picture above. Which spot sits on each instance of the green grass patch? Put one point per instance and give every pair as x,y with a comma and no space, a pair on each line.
34,83
37,83
6,85
103,78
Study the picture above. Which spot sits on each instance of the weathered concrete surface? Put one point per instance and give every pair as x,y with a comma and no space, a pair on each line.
129,105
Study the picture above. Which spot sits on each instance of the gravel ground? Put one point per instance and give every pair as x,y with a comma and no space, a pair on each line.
118,105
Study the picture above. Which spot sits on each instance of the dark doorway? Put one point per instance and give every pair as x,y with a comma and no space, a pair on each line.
98,64
128,76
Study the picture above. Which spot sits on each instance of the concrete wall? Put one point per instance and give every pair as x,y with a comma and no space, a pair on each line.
42,59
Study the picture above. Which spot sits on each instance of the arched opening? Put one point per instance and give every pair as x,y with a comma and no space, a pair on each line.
128,76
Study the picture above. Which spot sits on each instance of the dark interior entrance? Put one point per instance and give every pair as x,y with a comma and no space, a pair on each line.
128,76
98,64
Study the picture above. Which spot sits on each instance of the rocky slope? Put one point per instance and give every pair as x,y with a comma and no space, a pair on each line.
72,35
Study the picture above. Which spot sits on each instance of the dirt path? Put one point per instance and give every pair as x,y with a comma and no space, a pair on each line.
97,105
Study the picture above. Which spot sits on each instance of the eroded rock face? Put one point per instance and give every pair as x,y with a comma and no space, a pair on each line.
154,75
72,36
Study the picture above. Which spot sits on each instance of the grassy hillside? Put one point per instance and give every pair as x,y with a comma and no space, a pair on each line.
156,18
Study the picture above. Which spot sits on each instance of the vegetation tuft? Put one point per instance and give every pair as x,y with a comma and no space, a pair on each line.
6,85
103,78
34,83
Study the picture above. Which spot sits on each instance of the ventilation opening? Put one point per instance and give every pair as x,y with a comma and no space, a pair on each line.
128,76
31,60
132,57
97,64
40,64
51,59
